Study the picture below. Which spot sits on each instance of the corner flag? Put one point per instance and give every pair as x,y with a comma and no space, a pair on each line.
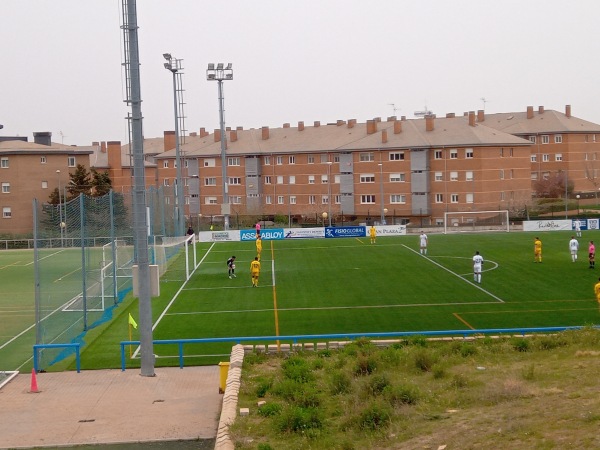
132,322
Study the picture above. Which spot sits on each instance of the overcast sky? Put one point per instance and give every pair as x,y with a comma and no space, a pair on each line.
293,61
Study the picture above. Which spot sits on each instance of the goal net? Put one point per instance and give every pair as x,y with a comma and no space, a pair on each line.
471,221
175,257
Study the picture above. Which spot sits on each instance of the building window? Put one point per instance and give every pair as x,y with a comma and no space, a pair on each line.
453,154
397,178
367,199
167,200
558,157
210,181
325,200
502,197
397,198
533,158
439,198
558,138
336,179
532,139
324,158
4,162
268,200
453,198
469,175
367,178
366,157
468,153
210,200
71,161
453,176
210,162
502,152
511,152
268,179
311,179
166,182
166,164
545,157
267,160
279,160
336,158
439,176
397,156
292,179
469,198
311,200
6,188
512,173
501,174
311,159
233,161
337,199
545,139
324,179
292,159
545,175
438,154
280,199
6,212
235,199
279,179
42,160
44,185
186,163
292,199
534,176
234,180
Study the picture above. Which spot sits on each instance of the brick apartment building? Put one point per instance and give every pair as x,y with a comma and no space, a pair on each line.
412,169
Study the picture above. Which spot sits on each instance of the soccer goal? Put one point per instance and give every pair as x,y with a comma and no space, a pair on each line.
175,257
455,222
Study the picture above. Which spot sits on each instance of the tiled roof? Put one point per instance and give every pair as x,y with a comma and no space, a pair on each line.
32,147
549,121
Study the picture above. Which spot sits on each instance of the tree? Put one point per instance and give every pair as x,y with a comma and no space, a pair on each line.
553,186
80,182
101,182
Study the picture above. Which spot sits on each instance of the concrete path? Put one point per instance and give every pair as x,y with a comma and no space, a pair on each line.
110,406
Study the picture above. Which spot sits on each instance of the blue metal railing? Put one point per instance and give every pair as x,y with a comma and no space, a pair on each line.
38,347
346,336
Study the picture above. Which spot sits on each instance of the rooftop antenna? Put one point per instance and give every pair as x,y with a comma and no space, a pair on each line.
484,100
393,105
423,113
62,137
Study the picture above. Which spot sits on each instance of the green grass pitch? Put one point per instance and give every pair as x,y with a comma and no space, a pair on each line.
327,286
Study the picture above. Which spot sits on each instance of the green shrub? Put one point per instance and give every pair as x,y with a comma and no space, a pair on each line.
265,447
365,365
269,409
262,387
520,344
459,381
324,353
317,364
401,395
375,416
528,372
296,419
340,383
296,368
377,383
424,360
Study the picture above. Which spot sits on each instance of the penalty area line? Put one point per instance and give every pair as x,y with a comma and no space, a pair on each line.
454,273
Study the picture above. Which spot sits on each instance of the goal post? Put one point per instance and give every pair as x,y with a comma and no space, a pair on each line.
455,222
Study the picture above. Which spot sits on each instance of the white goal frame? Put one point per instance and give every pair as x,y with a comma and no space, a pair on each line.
450,228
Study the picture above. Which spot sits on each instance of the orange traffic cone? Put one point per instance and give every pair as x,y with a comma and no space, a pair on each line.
34,387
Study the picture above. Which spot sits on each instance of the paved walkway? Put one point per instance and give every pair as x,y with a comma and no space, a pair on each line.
110,406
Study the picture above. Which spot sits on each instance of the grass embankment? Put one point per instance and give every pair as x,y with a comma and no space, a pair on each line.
538,392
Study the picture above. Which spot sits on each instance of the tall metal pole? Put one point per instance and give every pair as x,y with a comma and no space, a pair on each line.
381,184
329,163
223,157
134,98
60,217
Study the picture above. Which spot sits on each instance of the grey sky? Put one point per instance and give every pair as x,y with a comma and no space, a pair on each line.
293,61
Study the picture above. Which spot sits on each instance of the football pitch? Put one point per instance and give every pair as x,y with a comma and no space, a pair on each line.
337,286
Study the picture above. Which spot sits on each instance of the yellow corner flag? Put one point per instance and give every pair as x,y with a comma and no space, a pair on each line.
132,322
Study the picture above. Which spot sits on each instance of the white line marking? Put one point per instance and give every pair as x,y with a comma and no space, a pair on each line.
455,274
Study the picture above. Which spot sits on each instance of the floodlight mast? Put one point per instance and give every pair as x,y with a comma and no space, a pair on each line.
173,65
220,74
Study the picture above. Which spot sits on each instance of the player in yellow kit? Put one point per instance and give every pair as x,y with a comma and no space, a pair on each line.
537,250
255,271
258,245
372,234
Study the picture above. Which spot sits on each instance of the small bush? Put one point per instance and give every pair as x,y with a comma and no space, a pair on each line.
417,341
263,387
324,353
459,381
424,360
286,389
318,364
269,409
340,383
401,395
296,368
377,384
439,372
528,372
296,419
365,365
467,350
375,417
265,447
520,344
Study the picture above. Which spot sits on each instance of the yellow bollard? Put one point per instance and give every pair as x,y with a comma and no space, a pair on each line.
224,370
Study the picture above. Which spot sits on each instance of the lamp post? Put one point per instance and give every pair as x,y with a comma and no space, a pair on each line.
61,224
220,74
578,197
381,189
329,163
324,215
173,65
385,211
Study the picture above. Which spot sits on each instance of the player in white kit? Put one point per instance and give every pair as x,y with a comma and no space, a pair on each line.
477,263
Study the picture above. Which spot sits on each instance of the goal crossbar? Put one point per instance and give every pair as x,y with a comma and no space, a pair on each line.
457,221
